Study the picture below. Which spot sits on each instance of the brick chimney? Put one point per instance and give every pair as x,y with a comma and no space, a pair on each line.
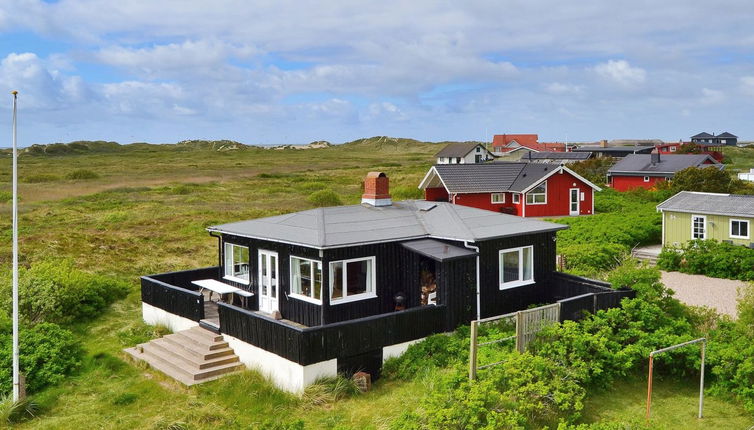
376,190
603,143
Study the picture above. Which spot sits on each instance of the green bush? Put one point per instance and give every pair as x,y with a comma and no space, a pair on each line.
6,196
711,258
48,354
436,351
323,198
82,174
589,259
406,193
40,178
55,291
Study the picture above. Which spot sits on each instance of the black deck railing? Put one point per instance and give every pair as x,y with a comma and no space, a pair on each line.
307,345
174,293
578,295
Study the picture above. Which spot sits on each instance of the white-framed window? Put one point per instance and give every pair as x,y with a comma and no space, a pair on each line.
352,280
646,179
306,279
516,267
516,198
698,227
673,148
537,195
236,263
497,198
739,228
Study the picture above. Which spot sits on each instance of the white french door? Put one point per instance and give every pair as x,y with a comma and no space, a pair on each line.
268,281
574,201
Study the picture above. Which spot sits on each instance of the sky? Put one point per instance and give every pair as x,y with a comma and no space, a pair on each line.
292,72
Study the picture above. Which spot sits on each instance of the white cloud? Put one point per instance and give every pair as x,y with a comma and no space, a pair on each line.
712,97
558,88
747,85
621,73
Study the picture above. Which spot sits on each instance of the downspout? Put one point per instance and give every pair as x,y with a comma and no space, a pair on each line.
478,303
219,249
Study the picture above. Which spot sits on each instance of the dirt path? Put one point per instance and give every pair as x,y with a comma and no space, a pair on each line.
700,290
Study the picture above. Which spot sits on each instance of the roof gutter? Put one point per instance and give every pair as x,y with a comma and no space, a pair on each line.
478,302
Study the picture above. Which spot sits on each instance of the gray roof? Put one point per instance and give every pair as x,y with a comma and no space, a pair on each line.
726,134
710,203
552,155
458,149
627,148
437,250
492,177
641,163
703,134
410,219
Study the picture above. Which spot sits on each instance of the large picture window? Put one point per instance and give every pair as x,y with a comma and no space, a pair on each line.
351,280
537,195
739,229
516,267
237,263
306,279
498,198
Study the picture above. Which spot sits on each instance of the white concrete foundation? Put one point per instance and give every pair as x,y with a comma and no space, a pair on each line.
285,374
398,349
157,316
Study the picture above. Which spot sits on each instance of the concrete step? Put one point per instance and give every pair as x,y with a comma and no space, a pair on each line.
193,350
190,356
199,361
191,338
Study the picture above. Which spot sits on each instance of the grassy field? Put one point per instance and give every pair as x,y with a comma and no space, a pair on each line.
144,211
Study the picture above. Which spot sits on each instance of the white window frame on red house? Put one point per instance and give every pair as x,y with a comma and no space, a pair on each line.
516,198
535,195
497,198
646,179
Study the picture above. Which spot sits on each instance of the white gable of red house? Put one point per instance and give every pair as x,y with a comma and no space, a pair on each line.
522,189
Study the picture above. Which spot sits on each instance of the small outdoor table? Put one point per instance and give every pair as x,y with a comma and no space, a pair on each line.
222,288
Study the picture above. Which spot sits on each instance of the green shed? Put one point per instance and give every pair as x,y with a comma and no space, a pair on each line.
694,215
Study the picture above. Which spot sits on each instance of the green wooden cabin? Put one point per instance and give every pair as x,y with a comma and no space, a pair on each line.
695,215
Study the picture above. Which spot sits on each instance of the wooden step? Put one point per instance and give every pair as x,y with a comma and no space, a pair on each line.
193,350
192,338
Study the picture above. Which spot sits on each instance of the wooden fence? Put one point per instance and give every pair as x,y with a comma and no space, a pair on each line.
176,300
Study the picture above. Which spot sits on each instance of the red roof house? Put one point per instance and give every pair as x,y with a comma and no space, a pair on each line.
506,143
646,170
523,189
711,149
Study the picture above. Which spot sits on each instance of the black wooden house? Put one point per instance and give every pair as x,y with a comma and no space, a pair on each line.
342,288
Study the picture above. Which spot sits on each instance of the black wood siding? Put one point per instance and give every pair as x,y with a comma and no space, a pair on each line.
176,300
495,301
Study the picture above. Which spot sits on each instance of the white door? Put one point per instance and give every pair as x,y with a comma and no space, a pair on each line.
268,281
574,205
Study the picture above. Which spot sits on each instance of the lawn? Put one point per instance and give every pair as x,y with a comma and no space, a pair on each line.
144,211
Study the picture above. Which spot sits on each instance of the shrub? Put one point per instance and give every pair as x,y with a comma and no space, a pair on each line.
591,258
330,390
323,198
436,351
48,354
82,174
594,169
6,196
711,258
55,291
39,178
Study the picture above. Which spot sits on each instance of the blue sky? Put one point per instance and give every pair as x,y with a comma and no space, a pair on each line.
292,72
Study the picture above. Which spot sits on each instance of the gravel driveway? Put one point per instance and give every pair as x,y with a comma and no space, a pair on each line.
700,290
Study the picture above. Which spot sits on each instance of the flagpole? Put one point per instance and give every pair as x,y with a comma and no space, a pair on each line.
16,376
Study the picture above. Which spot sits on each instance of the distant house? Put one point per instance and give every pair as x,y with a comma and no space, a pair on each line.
555,157
693,215
747,176
334,290
711,149
463,153
523,189
722,139
646,170
508,143
604,150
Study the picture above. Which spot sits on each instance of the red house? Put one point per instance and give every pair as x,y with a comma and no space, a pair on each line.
710,149
523,189
512,142
646,170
